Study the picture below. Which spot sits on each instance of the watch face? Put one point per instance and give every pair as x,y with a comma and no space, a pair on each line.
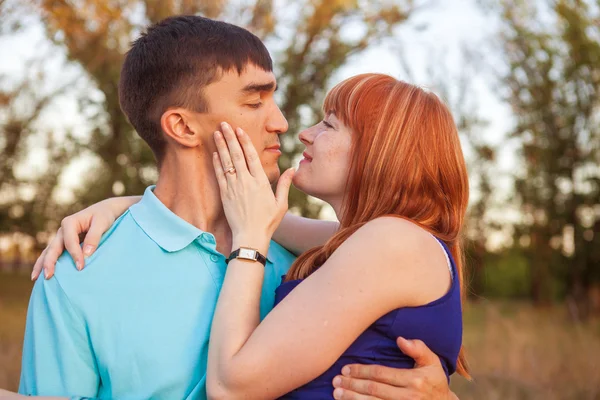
247,253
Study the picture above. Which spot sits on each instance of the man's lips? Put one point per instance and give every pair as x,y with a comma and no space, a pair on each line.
274,148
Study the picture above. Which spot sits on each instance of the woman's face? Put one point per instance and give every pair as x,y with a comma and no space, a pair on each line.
323,171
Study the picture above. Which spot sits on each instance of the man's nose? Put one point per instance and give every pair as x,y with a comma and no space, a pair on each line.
277,122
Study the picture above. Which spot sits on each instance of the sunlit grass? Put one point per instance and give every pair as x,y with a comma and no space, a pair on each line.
14,296
515,351
520,352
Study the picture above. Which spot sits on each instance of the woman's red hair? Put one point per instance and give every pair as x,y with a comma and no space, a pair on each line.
406,161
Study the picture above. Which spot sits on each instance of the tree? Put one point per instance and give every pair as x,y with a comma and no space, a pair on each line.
26,201
95,35
553,54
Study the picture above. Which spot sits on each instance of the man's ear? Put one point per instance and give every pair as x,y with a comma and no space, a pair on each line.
175,124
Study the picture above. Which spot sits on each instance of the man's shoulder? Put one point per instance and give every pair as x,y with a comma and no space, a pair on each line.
280,256
277,250
122,239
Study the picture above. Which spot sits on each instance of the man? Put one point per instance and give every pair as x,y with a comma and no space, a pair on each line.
135,322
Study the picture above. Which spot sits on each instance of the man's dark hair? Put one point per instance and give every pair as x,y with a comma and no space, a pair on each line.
170,64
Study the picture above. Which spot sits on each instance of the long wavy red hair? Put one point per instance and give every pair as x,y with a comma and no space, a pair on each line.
406,161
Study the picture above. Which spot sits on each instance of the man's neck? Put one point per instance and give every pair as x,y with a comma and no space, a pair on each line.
188,187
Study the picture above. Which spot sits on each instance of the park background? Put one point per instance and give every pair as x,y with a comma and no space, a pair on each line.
521,77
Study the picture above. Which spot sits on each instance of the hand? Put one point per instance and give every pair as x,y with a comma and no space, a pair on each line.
427,381
6,395
251,208
95,220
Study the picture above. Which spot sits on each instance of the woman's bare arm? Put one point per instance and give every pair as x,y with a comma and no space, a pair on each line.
298,234
323,315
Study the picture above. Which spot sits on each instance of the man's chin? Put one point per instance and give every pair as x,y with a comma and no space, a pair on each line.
273,176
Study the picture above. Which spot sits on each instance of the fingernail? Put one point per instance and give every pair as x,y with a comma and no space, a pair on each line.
33,276
337,381
79,265
224,125
46,274
239,131
87,250
338,393
346,371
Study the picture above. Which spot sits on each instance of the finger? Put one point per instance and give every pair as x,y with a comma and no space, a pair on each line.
37,267
418,351
369,388
224,156
218,166
69,238
235,150
97,228
343,394
53,251
379,373
252,159
283,188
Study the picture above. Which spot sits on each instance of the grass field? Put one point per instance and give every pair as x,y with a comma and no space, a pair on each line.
516,352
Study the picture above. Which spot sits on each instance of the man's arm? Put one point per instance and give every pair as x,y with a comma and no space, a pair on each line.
427,381
57,355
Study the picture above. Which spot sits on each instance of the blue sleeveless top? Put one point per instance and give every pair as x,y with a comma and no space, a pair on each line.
438,324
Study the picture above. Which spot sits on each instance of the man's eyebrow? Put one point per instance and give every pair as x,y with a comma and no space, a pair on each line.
260,87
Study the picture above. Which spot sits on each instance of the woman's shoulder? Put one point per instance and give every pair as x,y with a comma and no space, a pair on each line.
404,252
395,234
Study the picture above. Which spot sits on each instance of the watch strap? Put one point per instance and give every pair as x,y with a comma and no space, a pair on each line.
258,257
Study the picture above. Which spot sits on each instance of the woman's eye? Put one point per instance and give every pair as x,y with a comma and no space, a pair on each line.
255,105
327,124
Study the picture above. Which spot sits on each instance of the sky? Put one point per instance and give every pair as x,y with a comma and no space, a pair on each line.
434,36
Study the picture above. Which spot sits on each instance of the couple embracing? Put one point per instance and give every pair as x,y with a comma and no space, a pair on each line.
367,308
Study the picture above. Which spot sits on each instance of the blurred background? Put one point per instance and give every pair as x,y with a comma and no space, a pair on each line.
521,77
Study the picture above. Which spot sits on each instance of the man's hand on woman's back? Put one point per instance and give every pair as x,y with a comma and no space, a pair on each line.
427,381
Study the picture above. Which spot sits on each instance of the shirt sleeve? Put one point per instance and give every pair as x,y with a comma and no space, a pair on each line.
57,354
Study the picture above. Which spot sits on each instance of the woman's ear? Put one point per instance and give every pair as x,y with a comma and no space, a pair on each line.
175,124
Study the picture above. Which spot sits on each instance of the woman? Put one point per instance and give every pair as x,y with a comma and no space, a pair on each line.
387,158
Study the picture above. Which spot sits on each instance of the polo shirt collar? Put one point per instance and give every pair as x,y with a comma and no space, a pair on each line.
162,225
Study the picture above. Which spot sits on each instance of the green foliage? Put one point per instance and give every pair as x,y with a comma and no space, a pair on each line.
553,55
507,275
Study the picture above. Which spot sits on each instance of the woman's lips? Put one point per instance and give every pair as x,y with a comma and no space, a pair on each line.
306,159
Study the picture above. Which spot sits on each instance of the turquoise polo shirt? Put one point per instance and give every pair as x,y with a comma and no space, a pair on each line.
134,324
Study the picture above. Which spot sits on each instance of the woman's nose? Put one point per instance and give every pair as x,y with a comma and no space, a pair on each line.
306,136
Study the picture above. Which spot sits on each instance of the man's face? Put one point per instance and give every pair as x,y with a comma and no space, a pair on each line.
246,101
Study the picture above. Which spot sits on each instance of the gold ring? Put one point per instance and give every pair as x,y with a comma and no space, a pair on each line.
230,171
